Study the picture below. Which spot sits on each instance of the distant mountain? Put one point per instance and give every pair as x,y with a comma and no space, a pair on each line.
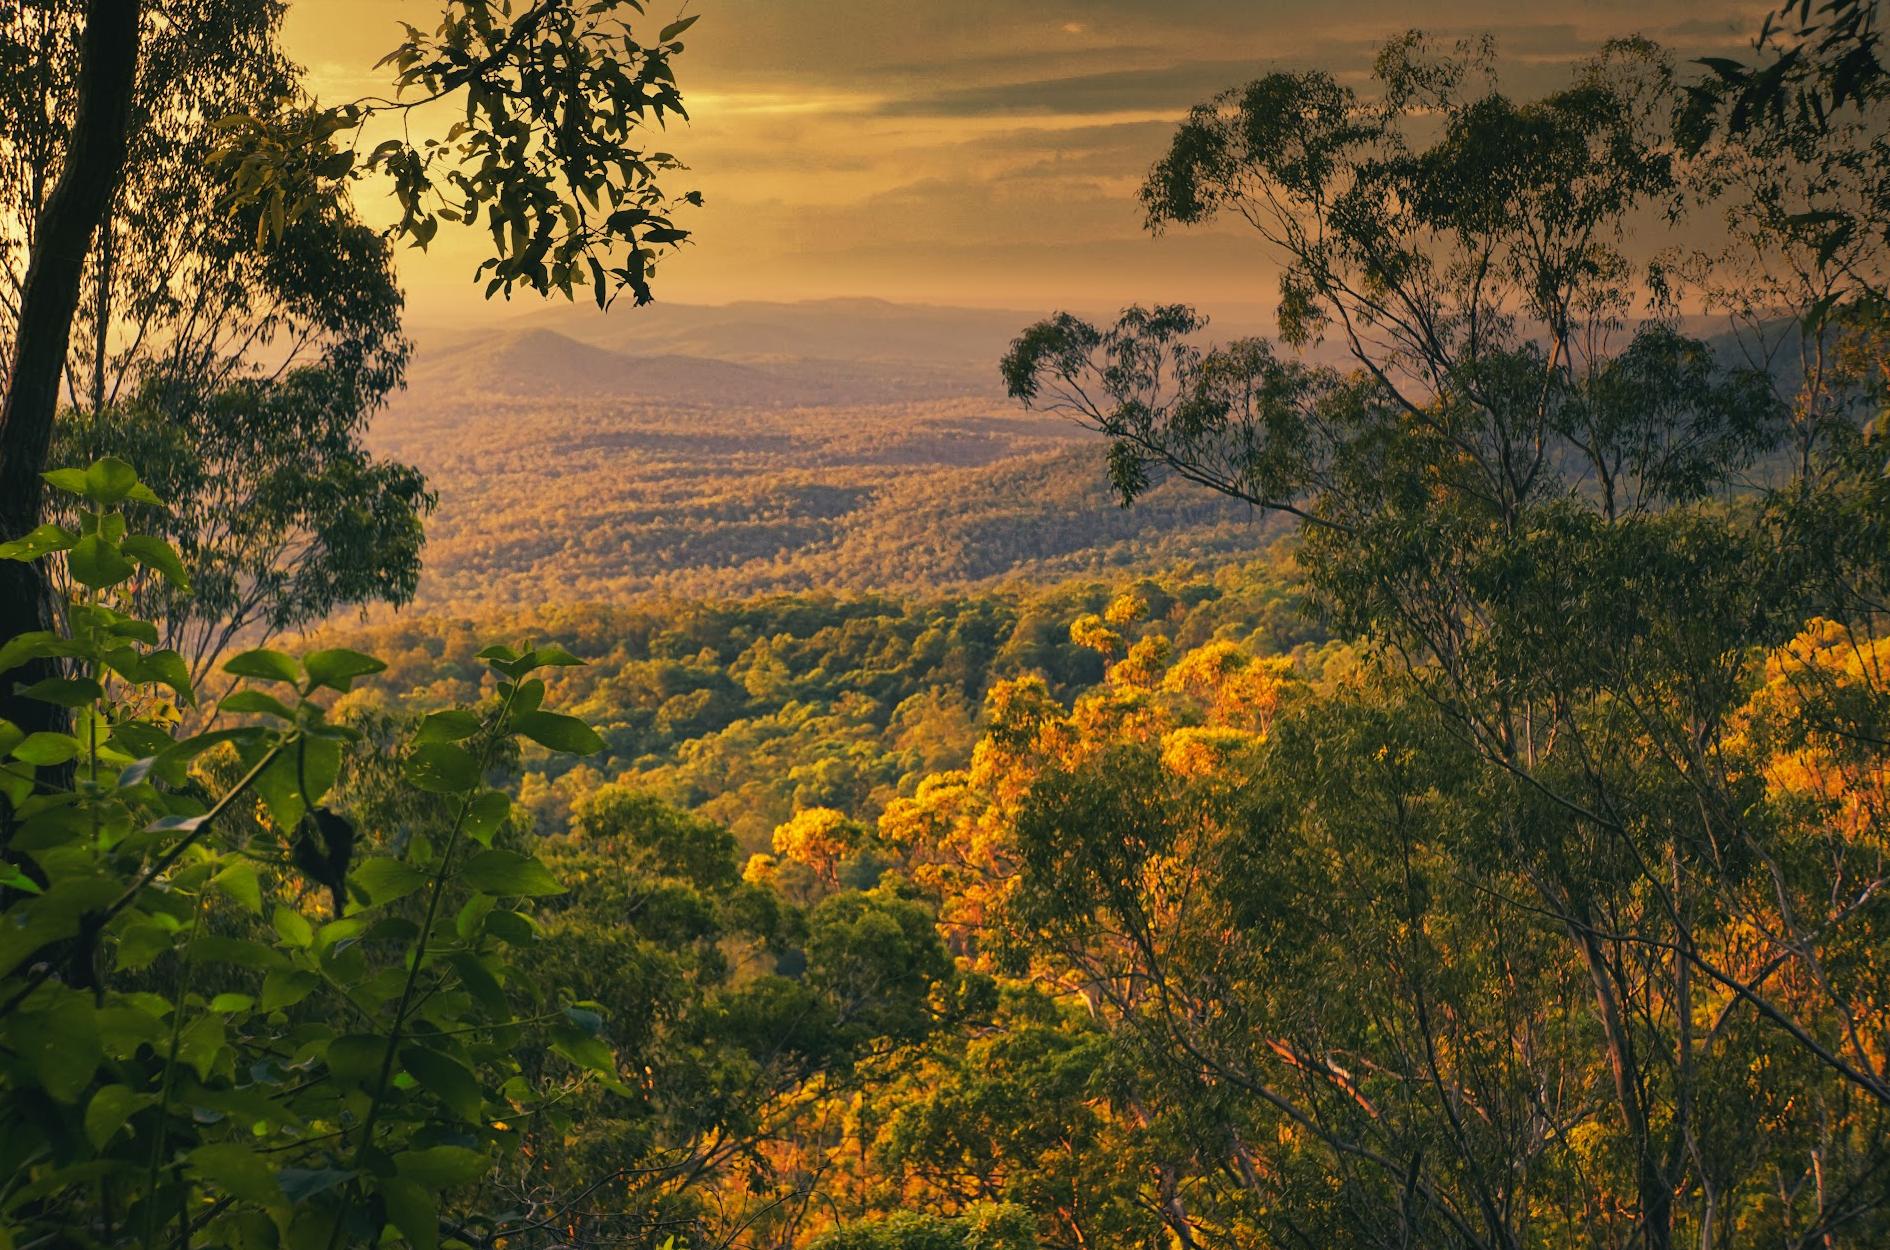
543,364
865,330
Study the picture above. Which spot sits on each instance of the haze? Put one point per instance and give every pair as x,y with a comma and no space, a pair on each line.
975,152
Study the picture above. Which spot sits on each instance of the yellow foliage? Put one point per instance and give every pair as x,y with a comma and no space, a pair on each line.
820,838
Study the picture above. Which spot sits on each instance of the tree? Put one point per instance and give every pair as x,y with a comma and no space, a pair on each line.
239,375
546,158
1545,522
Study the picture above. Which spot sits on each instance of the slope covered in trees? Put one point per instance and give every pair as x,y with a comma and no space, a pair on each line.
1497,862
569,470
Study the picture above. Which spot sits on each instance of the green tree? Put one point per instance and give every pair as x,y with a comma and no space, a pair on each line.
546,158
1545,523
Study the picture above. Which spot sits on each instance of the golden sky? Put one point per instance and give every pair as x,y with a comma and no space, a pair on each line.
977,151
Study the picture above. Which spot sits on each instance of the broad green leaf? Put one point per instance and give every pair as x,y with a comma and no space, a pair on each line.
200,1043
65,691
480,983
440,1167
412,1209
337,667
265,664
155,553
587,1052
551,655
454,725
509,874
36,645
293,927
357,1057
441,768
238,952
238,1171
168,667
486,814
287,986
560,733
385,879
44,749
238,880
42,541
106,1114
109,480
67,1049
72,481
447,1079
301,1184
256,704
97,563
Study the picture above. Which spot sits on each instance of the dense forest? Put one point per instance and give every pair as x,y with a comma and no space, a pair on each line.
685,474
1446,802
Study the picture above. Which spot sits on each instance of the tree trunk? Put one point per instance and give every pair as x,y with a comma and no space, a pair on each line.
49,297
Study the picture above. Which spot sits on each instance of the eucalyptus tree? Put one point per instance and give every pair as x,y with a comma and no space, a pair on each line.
1543,514
552,100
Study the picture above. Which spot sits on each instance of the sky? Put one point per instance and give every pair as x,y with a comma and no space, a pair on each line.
978,152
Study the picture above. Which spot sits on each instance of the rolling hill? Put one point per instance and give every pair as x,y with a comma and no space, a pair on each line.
710,461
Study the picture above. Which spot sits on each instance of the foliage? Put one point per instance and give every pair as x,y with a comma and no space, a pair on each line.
1489,939
554,95
239,377
197,1056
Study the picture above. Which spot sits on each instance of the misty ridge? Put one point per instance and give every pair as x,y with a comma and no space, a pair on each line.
843,444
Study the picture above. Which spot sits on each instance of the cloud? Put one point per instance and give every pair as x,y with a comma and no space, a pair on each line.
1176,87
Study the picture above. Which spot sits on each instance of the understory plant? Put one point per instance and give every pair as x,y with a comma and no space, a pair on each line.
228,1015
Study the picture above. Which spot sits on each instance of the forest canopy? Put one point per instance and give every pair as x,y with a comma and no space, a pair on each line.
1492,854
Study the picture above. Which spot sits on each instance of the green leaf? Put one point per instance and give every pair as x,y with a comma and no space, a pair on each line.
559,733
67,1049
587,1052
107,1113
286,987
301,1184
42,541
238,880
200,1044
486,814
449,726
439,1167
238,952
45,749
507,873
441,768
155,553
97,563
384,879
109,480
293,927
337,667
72,481
676,27
356,1057
412,1209
265,664
447,1079
281,790
238,1171
168,667
255,703
551,655
65,691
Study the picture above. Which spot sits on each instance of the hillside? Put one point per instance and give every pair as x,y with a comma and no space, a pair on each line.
596,456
